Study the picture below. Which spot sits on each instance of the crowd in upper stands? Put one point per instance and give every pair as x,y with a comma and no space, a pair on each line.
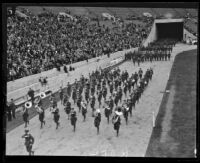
37,43
42,42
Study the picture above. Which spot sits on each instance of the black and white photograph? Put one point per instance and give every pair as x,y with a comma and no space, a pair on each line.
101,80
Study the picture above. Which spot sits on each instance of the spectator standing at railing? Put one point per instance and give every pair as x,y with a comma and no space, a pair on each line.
31,95
13,108
8,111
65,69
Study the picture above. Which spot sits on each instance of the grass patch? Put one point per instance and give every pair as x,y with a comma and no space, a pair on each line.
182,136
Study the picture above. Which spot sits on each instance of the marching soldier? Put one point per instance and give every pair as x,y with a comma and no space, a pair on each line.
104,92
151,73
68,90
25,112
129,85
92,104
53,100
111,88
55,112
31,94
116,120
61,95
125,88
29,141
87,91
92,89
111,103
79,101
130,104
116,84
169,55
120,94
73,118
99,86
140,72
138,61
97,120
74,95
99,97
116,100
84,109
67,108
136,77
65,99
165,55
41,113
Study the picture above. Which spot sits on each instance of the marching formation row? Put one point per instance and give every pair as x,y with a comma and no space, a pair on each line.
156,51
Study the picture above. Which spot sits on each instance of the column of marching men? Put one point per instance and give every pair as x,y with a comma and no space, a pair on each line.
156,51
88,91
95,89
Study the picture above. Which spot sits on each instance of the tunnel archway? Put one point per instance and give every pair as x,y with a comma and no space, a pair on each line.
170,30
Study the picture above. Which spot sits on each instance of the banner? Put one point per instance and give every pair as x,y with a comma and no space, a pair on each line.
113,62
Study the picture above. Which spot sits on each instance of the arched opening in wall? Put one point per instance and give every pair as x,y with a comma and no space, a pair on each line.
172,30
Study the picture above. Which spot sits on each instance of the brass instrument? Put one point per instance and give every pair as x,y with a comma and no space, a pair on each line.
28,104
42,95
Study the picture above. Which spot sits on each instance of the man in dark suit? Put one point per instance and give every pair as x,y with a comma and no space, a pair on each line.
65,69
9,114
13,108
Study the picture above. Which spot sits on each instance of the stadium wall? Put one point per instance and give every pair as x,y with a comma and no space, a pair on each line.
187,35
152,36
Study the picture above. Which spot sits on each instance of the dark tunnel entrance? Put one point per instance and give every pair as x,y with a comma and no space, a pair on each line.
170,30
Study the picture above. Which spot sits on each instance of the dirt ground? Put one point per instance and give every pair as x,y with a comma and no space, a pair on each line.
132,141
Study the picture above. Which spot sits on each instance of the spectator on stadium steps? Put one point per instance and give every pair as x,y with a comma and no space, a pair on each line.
43,81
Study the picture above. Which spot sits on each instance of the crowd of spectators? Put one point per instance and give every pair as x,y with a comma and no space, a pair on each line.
191,30
190,23
43,42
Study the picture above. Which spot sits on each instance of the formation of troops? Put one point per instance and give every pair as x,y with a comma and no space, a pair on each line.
156,51
107,92
104,88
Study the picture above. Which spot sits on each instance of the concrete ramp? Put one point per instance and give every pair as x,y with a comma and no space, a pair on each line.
188,35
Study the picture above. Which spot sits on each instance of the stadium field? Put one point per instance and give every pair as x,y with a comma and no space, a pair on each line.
175,128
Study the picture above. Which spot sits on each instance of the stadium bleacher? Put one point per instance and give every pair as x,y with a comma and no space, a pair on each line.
34,41
41,46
